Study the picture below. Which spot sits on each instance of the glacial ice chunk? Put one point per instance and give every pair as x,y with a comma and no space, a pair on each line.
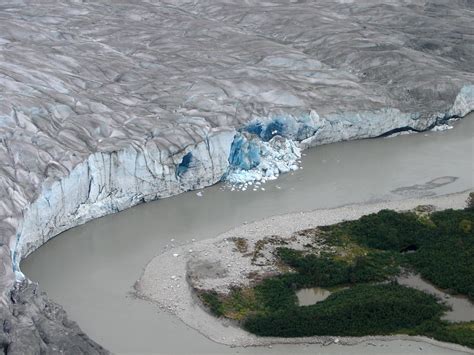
253,159
440,128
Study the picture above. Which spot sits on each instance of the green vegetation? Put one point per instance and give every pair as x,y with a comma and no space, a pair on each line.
212,301
361,310
470,201
386,230
367,254
461,333
442,249
332,270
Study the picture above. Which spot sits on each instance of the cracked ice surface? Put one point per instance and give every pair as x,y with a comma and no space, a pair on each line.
107,104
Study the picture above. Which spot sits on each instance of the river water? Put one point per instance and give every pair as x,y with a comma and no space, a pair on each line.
90,269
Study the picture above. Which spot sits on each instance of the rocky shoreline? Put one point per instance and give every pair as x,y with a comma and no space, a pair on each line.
33,324
218,264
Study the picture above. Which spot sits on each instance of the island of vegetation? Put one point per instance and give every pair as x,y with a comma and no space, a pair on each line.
360,261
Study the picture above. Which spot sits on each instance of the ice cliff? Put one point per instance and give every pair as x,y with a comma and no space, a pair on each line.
105,104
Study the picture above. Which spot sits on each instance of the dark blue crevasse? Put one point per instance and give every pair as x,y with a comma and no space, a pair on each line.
275,128
235,156
244,154
184,165
254,128
267,130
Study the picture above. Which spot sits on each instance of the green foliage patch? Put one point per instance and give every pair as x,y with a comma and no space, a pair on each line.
368,253
442,243
357,311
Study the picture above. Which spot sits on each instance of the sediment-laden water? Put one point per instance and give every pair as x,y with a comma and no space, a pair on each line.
309,296
462,309
90,269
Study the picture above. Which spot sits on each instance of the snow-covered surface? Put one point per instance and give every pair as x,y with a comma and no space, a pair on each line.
107,104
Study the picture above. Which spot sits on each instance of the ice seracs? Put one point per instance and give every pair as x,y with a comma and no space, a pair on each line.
276,156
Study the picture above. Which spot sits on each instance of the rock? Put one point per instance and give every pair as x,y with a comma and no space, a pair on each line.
50,332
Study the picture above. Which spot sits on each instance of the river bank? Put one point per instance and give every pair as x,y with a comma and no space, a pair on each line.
165,280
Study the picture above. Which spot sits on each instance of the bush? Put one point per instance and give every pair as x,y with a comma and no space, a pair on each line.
444,247
276,293
460,333
211,300
389,230
361,310
470,201
447,258
465,226
328,271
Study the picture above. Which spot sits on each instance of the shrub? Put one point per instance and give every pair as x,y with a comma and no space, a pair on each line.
361,310
465,226
470,201
388,230
460,333
447,257
211,300
444,248
328,271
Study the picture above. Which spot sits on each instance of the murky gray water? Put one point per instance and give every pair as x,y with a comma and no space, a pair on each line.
90,269
462,308
309,296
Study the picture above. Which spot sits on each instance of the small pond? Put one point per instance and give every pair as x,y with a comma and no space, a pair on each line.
309,296
462,310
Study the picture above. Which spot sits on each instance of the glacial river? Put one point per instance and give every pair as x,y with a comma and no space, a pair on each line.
90,269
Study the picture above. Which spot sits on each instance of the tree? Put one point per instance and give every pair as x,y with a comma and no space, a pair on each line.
470,201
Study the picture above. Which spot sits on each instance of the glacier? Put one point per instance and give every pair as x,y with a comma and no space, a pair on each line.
106,105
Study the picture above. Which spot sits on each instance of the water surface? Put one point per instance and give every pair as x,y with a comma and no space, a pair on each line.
309,296
462,310
90,269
